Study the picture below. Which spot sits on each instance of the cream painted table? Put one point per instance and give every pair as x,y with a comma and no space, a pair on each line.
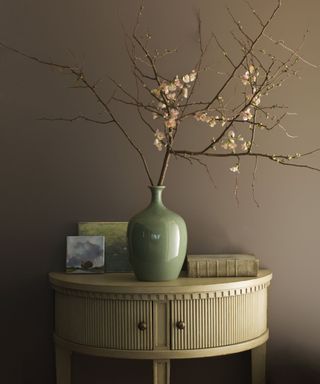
114,315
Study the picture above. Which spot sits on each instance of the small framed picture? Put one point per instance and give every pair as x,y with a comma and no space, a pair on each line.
116,249
85,254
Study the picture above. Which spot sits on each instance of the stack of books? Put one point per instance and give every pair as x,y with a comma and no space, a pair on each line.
232,265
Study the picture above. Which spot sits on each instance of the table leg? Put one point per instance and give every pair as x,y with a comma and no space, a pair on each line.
161,371
258,364
63,365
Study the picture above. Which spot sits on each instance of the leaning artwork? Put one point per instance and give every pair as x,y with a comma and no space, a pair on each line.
85,254
117,256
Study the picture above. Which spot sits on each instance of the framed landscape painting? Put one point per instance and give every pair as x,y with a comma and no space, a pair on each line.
85,254
116,249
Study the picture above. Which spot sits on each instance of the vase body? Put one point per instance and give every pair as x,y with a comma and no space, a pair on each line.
157,241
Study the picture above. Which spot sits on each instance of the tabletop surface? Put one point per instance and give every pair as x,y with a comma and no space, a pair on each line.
127,282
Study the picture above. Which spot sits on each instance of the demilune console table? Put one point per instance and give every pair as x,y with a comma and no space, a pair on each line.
114,315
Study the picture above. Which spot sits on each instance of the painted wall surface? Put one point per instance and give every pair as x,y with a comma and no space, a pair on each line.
54,175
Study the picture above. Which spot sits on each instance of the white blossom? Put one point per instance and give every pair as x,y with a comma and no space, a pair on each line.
159,137
172,87
256,100
174,113
197,115
185,92
203,117
193,75
250,76
171,96
245,78
165,88
229,144
246,145
156,92
231,134
161,105
246,114
186,79
212,122
235,169
158,144
178,82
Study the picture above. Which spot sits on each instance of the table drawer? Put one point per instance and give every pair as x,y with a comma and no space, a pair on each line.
220,321
104,323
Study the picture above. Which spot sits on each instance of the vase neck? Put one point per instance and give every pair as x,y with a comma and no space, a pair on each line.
156,194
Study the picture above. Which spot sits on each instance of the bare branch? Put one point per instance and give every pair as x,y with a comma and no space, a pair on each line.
294,52
75,118
198,67
234,122
252,45
253,183
136,103
239,26
165,165
40,61
224,52
254,13
236,186
139,109
80,76
191,159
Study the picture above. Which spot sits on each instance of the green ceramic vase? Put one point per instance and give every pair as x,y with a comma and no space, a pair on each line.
157,241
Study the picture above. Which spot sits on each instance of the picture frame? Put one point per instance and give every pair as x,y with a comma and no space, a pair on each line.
116,247
85,254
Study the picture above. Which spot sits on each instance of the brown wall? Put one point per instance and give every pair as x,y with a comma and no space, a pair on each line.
56,174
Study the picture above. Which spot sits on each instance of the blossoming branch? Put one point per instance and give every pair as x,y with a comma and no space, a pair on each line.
163,104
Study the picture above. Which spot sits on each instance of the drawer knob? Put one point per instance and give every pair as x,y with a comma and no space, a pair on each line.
142,326
181,324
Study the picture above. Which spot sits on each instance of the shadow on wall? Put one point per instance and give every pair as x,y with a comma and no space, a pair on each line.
293,372
231,369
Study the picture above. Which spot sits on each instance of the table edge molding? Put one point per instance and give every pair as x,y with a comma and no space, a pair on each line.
169,293
162,354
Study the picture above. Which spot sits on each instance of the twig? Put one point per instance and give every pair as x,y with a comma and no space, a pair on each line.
81,77
283,45
75,118
202,163
253,183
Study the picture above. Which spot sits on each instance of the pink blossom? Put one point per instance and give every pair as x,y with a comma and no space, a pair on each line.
171,123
